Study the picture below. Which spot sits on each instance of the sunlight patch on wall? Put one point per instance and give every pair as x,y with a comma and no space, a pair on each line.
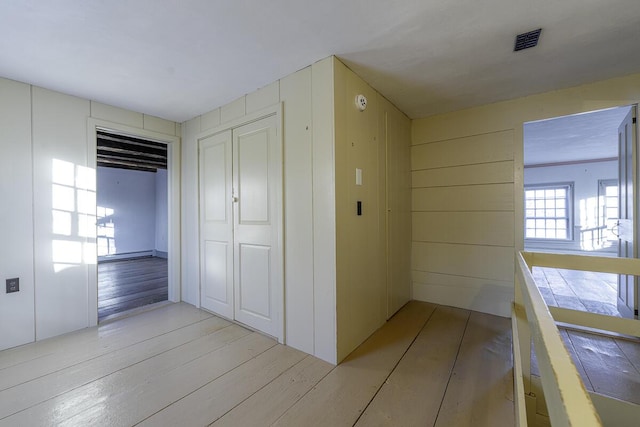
73,202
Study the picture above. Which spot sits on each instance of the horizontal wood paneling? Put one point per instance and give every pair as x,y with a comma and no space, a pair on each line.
489,197
157,124
486,148
117,115
210,120
483,173
476,228
495,300
489,262
233,110
459,282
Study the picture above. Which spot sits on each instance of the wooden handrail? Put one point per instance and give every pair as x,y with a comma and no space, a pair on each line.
584,262
567,400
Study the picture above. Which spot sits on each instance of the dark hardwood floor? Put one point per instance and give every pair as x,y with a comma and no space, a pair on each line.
127,284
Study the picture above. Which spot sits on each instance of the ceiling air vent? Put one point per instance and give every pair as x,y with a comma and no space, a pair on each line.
527,40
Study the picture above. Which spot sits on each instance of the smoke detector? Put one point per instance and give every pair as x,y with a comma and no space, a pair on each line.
361,102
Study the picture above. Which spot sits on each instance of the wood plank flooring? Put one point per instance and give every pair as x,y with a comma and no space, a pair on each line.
132,283
607,365
578,290
176,365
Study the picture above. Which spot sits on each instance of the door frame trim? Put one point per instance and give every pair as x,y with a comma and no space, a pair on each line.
173,203
273,110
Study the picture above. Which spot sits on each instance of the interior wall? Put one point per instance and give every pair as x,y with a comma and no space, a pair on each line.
161,214
132,196
443,276
309,200
370,287
49,234
585,177
16,214
395,129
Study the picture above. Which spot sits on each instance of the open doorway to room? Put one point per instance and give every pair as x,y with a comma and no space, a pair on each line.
578,181
132,223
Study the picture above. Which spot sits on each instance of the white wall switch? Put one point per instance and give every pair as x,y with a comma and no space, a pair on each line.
358,176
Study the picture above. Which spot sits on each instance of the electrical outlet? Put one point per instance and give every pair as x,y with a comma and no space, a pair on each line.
13,285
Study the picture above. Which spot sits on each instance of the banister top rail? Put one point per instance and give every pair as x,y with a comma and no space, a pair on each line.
567,400
597,264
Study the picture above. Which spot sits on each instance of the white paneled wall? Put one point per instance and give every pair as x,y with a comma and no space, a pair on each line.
17,322
309,227
63,193
46,217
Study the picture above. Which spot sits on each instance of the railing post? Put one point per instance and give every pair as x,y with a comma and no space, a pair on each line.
524,336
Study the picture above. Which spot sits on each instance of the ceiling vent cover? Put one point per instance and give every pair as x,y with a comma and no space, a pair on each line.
527,40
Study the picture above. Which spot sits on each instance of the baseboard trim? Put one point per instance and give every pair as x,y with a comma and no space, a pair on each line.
126,255
161,254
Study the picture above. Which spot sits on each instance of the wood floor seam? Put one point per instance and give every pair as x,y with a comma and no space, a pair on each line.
453,367
394,367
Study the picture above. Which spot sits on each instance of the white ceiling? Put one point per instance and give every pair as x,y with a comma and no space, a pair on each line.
580,137
177,59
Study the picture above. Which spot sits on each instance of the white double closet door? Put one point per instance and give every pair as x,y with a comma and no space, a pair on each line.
241,267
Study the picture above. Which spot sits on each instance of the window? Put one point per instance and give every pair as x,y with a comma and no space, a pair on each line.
547,211
608,206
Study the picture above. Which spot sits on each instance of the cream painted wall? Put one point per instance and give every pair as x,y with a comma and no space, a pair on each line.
332,258
372,279
483,192
45,138
309,225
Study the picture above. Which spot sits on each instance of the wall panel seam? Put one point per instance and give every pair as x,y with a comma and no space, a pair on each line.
464,244
464,164
461,137
463,185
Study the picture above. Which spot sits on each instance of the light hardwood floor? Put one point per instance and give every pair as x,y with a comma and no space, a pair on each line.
578,290
428,366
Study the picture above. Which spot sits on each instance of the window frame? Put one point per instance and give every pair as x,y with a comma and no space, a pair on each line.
569,186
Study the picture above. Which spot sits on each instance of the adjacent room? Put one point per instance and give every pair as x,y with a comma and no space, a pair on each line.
131,223
572,198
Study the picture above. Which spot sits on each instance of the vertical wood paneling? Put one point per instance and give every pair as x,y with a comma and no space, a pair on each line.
295,93
233,110
394,130
360,240
16,214
262,98
190,218
60,154
324,209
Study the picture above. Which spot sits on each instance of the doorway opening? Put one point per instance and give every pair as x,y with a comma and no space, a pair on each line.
132,223
578,180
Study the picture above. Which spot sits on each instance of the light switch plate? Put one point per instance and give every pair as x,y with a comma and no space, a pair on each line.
358,176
